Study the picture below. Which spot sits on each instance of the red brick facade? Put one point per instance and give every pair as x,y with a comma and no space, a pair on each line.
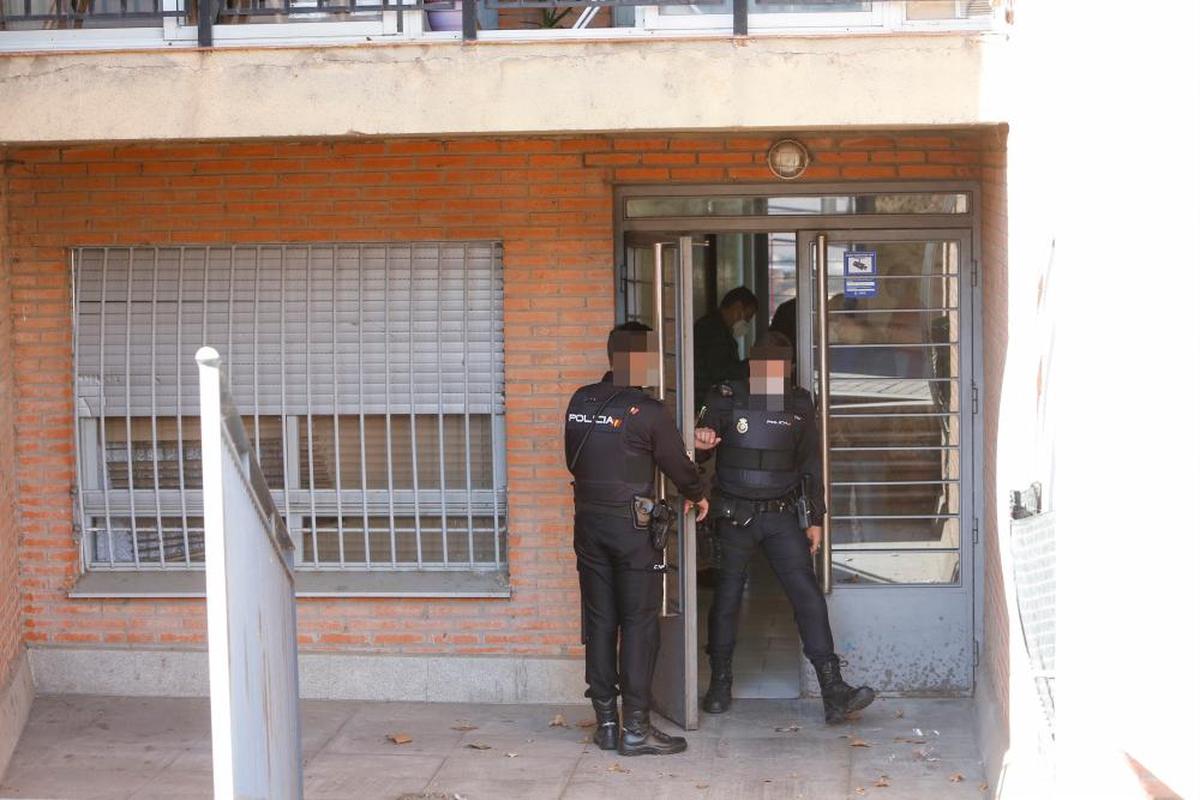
548,199
10,597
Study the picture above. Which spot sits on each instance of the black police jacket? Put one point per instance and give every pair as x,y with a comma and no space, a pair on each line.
766,452
631,433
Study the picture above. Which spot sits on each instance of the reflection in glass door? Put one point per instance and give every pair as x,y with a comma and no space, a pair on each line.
893,416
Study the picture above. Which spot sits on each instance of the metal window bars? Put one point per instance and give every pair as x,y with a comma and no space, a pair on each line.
206,14
371,380
469,16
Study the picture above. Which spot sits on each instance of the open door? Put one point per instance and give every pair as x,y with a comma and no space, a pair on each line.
657,290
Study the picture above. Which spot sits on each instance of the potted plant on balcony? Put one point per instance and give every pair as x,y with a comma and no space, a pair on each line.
445,16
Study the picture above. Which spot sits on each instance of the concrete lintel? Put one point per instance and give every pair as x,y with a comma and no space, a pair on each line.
441,89
323,676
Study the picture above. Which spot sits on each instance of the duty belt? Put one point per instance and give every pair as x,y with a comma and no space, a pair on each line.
742,510
613,510
779,504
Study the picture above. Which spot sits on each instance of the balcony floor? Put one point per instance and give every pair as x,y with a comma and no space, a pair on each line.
129,747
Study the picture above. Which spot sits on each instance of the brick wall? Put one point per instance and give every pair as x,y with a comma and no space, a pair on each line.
548,199
10,596
995,345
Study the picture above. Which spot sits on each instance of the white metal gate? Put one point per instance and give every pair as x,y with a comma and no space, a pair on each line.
252,658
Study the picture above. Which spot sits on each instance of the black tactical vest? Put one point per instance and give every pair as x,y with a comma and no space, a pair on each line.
607,470
756,458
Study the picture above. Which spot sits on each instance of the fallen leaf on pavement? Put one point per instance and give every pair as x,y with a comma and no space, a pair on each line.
617,768
899,713
586,723
856,742
983,787
558,722
464,728
511,755
787,728
883,782
956,777
701,785
859,790
399,738
479,746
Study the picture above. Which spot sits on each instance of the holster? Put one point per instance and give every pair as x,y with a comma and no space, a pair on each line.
803,513
660,524
655,516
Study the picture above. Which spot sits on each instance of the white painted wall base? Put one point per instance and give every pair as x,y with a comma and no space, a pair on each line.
15,702
323,676
991,731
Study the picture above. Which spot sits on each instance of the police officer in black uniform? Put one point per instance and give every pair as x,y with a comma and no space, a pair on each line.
615,436
768,478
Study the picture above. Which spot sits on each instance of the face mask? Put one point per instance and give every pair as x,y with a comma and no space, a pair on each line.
740,328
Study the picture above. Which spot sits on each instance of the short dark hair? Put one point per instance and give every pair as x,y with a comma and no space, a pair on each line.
776,347
740,295
621,340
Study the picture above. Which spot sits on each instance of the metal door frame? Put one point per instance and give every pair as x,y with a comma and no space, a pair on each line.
678,628
915,226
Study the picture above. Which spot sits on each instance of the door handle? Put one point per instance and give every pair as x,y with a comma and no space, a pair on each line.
825,554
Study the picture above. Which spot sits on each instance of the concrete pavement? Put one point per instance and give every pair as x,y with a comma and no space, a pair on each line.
124,747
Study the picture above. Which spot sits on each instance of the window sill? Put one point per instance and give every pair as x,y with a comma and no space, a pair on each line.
346,583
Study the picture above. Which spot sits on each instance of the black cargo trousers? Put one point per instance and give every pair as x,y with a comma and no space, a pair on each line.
621,597
786,549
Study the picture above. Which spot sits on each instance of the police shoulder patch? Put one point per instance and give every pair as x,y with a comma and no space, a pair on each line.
633,409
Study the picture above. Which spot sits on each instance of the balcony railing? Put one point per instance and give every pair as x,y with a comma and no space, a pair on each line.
103,24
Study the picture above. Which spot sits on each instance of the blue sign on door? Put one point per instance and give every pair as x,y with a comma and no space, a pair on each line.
860,270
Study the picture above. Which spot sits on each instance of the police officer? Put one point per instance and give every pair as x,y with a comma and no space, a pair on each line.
615,436
768,469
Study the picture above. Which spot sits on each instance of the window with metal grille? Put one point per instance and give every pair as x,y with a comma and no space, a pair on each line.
370,378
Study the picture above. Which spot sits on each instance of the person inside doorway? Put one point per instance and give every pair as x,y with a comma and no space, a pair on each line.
717,357
769,494
784,320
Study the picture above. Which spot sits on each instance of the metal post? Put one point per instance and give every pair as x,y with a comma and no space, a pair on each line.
826,554
206,13
470,21
741,17
660,481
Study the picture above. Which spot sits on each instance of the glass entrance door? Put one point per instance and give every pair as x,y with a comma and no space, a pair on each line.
657,287
888,318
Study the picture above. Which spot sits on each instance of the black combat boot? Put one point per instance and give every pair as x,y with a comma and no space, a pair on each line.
840,698
720,685
640,738
605,735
